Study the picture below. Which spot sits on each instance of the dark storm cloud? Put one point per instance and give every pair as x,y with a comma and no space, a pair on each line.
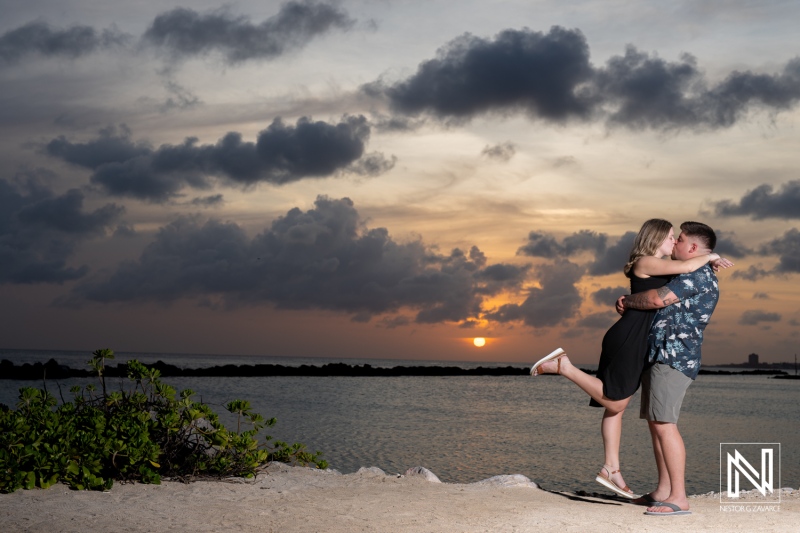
753,273
607,259
499,277
39,231
527,70
544,245
64,213
608,295
787,248
186,33
323,258
549,77
555,300
762,202
729,246
541,245
612,259
40,38
113,145
644,91
281,154
753,317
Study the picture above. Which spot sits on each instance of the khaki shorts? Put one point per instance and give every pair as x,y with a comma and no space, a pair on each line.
663,389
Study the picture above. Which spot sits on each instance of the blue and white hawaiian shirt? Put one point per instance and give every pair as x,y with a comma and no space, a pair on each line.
677,331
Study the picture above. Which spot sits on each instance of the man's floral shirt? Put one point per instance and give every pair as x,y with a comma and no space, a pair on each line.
677,331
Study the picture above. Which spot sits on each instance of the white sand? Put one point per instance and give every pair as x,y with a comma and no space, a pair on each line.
286,499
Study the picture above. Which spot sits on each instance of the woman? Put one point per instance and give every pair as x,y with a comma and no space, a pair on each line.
625,344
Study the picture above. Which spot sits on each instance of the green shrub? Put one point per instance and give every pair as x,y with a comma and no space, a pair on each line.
140,434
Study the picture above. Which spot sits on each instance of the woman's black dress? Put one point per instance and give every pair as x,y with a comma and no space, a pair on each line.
625,346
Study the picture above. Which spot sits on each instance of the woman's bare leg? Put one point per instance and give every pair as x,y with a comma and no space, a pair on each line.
611,429
590,384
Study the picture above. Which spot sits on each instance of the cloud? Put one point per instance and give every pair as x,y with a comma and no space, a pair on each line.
111,146
323,258
184,33
40,38
612,259
762,202
372,165
544,245
64,213
548,76
729,246
40,231
607,259
648,92
753,317
753,273
535,72
787,248
608,295
180,97
215,200
281,154
500,152
555,300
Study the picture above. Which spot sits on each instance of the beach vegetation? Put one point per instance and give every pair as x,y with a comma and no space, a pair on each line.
142,433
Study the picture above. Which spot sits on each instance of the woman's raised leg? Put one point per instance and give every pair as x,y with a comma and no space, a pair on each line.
590,384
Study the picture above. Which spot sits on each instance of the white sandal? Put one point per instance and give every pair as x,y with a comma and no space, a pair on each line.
558,352
625,491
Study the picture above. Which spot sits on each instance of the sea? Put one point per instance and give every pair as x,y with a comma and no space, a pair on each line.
469,428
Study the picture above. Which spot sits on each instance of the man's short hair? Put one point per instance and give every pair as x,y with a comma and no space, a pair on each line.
702,232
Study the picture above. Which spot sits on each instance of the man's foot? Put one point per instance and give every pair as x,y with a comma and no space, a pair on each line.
669,508
611,478
646,499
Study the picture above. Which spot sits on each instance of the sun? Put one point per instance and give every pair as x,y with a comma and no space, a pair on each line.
478,341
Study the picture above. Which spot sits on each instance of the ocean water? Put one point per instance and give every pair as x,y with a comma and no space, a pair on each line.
468,428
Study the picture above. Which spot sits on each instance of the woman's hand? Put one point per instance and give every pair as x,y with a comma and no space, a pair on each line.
720,263
620,305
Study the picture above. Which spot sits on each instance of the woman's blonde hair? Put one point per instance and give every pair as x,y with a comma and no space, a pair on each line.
647,241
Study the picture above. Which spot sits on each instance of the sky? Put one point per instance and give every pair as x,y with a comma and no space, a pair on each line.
388,179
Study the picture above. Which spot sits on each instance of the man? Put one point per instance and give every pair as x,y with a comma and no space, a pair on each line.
685,305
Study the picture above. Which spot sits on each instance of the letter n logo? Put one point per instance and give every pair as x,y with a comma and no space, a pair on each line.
737,466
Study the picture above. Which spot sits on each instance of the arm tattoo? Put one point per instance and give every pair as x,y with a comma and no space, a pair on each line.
636,301
641,301
663,295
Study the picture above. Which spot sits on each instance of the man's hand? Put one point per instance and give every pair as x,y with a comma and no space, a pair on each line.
621,305
719,264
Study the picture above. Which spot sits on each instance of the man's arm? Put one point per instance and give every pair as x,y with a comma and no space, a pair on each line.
652,299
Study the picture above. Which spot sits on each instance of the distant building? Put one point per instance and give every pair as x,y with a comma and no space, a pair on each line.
752,360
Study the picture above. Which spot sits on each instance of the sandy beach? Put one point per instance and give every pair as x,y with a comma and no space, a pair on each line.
293,499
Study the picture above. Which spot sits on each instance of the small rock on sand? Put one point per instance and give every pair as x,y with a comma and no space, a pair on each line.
424,472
